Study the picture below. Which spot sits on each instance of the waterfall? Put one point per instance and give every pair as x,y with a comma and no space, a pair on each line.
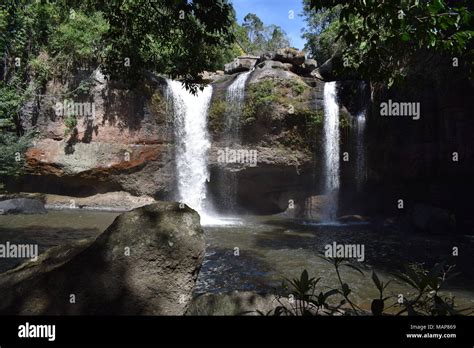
360,148
235,99
192,143
227,181
331,148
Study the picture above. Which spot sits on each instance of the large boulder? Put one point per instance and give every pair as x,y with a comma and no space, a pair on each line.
290,55
308,66
145,263
244,63
22,206
271,69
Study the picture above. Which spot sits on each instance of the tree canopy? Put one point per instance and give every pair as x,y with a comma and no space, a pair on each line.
256,38
381,39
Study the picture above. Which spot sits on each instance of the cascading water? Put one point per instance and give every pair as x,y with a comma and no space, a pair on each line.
360,148
235,98
331,148
227,181
192,143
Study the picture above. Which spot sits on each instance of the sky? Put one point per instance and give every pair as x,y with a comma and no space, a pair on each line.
275,12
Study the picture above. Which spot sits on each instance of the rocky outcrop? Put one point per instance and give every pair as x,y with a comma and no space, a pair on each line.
122,139
22,206
145,263
289,55
280,125
240,64
110,201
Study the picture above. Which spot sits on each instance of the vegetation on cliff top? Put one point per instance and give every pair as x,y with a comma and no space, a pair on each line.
42,40
385,41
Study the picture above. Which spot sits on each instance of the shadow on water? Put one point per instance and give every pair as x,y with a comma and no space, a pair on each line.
42,236
246,271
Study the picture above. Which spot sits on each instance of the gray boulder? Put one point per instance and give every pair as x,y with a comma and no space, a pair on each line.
308,66
22,206
271,69
290,55
145,263
240,64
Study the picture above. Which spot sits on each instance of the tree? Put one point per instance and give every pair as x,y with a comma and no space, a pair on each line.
260,38
255,30
321,31
277,38
176,38
383,40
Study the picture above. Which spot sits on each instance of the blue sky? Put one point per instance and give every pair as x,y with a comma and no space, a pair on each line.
275,12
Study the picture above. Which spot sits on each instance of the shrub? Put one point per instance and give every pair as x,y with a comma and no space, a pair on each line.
307,299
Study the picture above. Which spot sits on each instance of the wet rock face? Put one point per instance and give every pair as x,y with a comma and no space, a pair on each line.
22,206
145,263
416,159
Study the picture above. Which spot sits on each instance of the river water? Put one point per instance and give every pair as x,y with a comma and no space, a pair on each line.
257,253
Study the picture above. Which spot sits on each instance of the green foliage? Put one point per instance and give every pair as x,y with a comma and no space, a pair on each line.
303,296
40,68
321,31
383,40
260,97
427,284
12,149
71,123
282,104
175,38
78,40
296,86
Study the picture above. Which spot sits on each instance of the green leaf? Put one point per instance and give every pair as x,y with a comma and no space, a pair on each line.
377,282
